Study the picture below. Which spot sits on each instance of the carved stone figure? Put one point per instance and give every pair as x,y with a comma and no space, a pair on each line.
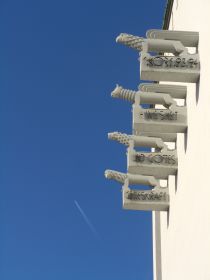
171,119
173,61
156,199
160,163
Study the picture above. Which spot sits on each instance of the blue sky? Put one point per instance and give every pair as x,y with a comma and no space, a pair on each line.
59,217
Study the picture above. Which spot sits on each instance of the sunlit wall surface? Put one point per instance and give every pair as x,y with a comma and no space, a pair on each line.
182,236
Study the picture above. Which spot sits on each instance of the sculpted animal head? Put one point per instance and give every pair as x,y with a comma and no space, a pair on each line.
116,92
123,37
129,40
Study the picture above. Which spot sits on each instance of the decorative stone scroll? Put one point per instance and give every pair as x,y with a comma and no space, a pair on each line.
172,61
161,163
156,199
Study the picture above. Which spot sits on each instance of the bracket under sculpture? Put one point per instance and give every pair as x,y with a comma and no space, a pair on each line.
161,163
178,66
156,199
173,119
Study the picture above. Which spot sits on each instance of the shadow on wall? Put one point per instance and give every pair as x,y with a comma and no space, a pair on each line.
185,140
197,91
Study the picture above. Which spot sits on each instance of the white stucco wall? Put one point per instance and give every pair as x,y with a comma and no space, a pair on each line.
182,245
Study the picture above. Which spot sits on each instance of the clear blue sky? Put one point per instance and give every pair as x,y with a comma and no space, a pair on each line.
58,64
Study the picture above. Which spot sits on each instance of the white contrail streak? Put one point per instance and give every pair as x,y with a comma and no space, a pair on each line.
91,227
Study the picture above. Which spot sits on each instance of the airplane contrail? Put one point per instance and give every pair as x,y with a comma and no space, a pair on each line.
88,222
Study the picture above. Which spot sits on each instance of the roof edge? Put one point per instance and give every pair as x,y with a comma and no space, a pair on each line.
167,15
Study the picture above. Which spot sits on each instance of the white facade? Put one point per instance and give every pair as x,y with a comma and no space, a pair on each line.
182,237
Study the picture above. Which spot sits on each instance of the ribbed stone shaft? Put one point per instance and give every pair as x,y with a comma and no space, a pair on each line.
126,94
120,137
115,175
134,42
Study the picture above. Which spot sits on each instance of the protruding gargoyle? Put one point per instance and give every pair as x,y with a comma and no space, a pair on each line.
172,119
172,61
137,141
151,45
144,97
155,199
160,163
